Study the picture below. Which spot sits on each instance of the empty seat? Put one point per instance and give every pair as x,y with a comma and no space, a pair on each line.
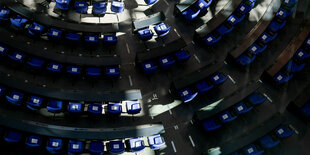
156,142
166,62
277,24
12,137
115,147
289,3
94,108
62,4
149,67
307,42
268,142
75,108
150,2
74,70
203,86
162,29
73,37
242,108
190,13
293,66
2,90
256,98
96,147
34,103
182,55
257,48
246,58
113,72
284,12
267,36
300,55
203,5
35,29
17,57
115,108
54,34
93,72
110,39
135,144
99,8
54,67
117,6
54,145
54,106
305,109
15,98
35,63
210,125
33,142
282,77
81,6
212,38
75,147
133,107
4,14
284,131
225,28
227,116
187,95
3,50
93,39
19,22
252,150
235,18
218,78
246,6
145,34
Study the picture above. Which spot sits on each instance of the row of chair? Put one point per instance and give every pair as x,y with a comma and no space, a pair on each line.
295,64
236,17
99,8
190,92
197,8
39,64
165,62
36,30
161,30
266,37
55,145
234,111
35,102
268,141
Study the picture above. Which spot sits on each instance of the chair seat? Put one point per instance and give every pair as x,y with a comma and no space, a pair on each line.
75,108
62,4
4,14
182,55
94,108
149,67
115,147
74,37
284,132
113,72
96,147
283,13
36,29
145,34
110,39
35,63
166,62
54,34
267,142
281,78
218,78
99,8
301,54
12,137
162,29
252,150
34,103
293,67
93,72
203,86
2,90
117,6
81,6
289,3
189,14
17,57
133,107
19,22
246,59
210,125
257,48
54,67
54,145
203,4
91,38
256,98
150,2
212,38
306,110
135,144
242,108
267,36
115,108
225,28
15,98
33,141
226,117
75,147
3,50
156,142
277,24
74,70
187,95
54,106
